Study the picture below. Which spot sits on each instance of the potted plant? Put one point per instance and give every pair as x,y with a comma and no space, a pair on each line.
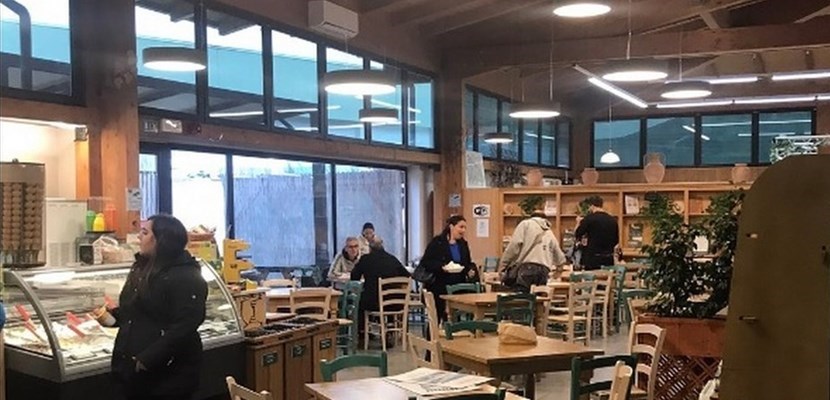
506,174
689,291
530,203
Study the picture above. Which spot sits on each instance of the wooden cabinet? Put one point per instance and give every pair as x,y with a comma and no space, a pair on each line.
265,369
299,368
324,349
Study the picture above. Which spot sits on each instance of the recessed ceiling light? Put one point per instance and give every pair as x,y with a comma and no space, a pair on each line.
581,9
535,111
358,82
637,71
686,90
177,59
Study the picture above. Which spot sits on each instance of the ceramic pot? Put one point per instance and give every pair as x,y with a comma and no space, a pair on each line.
534,177
590,176
740,173
653,168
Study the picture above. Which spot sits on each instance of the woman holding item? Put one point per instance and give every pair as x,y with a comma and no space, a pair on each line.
158,350
367,237
446,248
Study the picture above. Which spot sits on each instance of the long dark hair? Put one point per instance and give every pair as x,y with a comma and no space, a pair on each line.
171,240
452,221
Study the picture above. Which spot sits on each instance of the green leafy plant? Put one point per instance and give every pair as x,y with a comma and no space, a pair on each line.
530,203
721,223
506,174
582,209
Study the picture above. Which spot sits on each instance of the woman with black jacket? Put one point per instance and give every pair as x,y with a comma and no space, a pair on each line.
448,246
158,350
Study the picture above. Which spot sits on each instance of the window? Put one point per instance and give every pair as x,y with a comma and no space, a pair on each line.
509,151
295,83
530,141
563,151
672,137
548,143
343,110
469,118
199,184
623,137
375,195
726,139
385,132
488,110
148,177
421,131
771,125
48,68
234,50
165,90
283,209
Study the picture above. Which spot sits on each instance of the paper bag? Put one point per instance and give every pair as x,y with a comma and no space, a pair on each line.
510,333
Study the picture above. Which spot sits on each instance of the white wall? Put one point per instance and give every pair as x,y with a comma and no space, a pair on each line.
420,186
45,144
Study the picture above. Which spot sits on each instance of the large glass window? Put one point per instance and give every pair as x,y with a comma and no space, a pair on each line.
375,195
295,83
563,150
148,177
530,141
48,67
234,68
548,143
623,137
509,151
199,184
488,111
158,26
344,110
469,120
771,125
674,138
726,139
421,125
386,132
283,209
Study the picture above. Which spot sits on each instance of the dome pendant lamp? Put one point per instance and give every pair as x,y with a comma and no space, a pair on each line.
358,82
635,70
379,115
581,9
178,59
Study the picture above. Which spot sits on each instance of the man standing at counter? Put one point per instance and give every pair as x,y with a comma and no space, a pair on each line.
602,232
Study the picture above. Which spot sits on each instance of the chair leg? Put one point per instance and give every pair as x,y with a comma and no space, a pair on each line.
366,332
383,331
404,331
604,320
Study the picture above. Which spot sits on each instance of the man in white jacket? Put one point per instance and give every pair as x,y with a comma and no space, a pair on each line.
533,252
343,264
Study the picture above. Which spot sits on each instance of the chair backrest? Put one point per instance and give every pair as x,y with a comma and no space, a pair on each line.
393,294
545,292
461,288
420,349
581,277
239,392
518,308
621,383
432,314
471,326
604,287
646,339
579,366
619,278
312,302
349,302
330,368
278,283
491,264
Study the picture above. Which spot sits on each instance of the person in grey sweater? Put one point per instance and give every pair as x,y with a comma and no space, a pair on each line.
532,253
343,264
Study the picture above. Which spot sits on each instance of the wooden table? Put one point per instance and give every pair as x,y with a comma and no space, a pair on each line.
480,304
374,389
487,356
278,298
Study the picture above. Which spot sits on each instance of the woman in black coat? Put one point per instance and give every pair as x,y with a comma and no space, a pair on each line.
448,246
158,350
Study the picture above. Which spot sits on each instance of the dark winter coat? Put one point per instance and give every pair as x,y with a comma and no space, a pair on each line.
437,255
377,264
158,326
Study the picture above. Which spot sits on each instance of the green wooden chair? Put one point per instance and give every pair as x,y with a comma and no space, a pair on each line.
518,307
469,326
347,314
634,294
491,264
579,366
329,368
619,301
463,288
582,277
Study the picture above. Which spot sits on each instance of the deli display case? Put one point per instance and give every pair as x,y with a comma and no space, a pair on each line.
53,341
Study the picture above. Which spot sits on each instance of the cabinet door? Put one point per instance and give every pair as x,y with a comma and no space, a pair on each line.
266,370
298,368
324,349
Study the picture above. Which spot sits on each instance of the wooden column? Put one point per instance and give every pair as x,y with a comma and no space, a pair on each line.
450,178
823,119
107,44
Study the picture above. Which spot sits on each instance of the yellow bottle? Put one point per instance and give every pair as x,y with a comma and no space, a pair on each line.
99,224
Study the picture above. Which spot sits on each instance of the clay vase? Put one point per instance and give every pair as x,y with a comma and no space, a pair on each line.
534,177
653,168
740,173
590,176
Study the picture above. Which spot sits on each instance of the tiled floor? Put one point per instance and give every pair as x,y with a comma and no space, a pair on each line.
553,386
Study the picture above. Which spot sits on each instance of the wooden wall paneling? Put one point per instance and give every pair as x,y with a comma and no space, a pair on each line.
82,172
481,247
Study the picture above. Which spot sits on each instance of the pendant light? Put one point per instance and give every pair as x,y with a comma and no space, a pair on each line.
681,90
539,111
178,59
379,115
635,70
581,9
358,82
498,137
610,157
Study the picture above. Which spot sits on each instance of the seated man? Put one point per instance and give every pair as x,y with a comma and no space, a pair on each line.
345,261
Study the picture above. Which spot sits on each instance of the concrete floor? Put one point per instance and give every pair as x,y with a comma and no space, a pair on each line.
553,386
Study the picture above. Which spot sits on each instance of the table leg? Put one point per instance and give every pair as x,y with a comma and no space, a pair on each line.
530,386
541,321
478,315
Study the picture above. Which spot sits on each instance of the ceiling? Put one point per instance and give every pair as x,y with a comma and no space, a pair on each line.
510,40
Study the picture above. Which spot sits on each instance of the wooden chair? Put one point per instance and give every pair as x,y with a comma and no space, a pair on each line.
348,316
629,295
579,366
308,303
239,392
463,288
329,369
435,331
618,301
470,326
652,346
491,264
392,316
621,385
603,303
579,311
278,283
519,308
417,310
425,353
545,292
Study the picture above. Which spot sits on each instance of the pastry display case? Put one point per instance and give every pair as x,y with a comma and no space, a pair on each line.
50,332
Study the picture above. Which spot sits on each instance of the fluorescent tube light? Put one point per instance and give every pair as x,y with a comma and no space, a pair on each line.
618,92
774,100
733,80
710,103
801,76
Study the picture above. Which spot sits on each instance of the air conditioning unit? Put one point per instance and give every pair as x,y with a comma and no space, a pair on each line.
332,20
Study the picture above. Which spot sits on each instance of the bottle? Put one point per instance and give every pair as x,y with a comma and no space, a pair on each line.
99,224
90,220
109,217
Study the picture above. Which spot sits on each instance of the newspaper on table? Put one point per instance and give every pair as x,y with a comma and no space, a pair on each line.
431,382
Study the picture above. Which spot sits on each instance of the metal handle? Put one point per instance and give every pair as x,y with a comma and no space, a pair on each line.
750,319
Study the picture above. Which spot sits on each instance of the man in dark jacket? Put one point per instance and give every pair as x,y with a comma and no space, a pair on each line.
603,235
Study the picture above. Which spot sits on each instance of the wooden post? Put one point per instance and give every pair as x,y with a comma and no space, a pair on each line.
107,44
450,179
823,119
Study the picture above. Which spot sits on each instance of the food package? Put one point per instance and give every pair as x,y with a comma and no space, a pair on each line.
510,333
102,245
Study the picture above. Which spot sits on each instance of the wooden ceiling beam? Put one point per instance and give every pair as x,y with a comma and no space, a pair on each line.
480,14
716,19
671,13
811,34
778,12
423,13
374,6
